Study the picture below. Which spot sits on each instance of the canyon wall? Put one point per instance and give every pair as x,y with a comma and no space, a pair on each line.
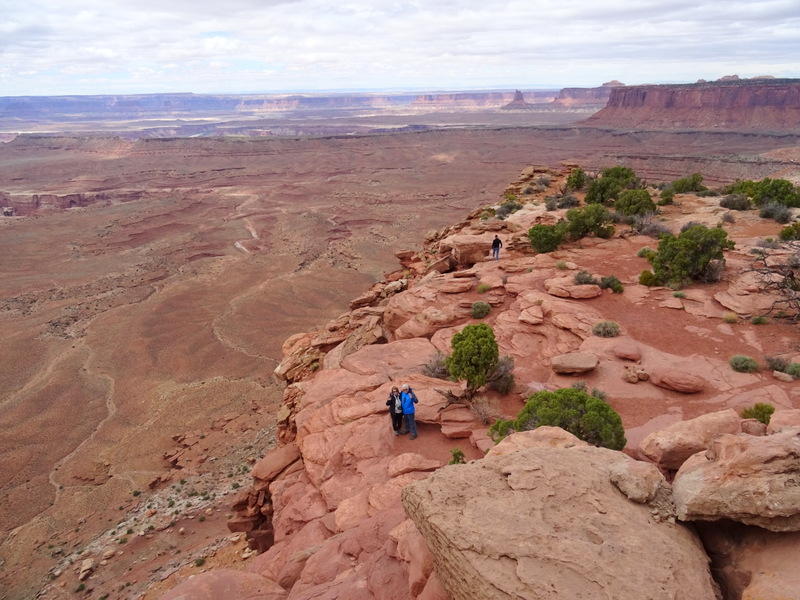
740,105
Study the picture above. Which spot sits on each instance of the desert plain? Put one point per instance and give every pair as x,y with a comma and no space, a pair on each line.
142,319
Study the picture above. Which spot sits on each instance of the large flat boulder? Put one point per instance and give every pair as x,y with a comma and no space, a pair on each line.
548,523
574,363
744,478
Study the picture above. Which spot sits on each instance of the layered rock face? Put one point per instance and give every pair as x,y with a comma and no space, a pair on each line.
740,105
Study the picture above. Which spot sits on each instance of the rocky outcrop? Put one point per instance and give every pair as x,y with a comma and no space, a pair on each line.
586,97
670,447
574,363
739,105
518,103
548,522
749,479
226,583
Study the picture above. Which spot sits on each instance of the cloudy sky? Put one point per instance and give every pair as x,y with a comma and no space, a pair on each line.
52,47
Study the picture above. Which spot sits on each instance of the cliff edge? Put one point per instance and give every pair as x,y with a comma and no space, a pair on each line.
769,105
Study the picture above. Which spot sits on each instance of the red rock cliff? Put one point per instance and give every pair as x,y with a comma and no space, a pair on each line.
739,105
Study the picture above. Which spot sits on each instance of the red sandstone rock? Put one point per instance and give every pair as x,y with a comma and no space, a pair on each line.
275,461
574,363
743,478
542,508
671,446
783,418
226,583
677,380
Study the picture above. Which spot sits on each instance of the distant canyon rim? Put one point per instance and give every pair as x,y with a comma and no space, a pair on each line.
148,286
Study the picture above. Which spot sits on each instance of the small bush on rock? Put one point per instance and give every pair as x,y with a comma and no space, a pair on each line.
760,411
606,329
776,363
759,320
793,369
576,179
585,278
480,309
612,283
483,288
743,364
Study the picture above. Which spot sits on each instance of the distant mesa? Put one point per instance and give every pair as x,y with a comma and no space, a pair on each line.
729,104
596,97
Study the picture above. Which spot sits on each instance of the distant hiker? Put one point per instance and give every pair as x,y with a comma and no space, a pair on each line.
409,399
496,245
395,404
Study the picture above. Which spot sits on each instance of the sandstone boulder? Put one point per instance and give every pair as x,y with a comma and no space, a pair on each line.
743,478
671,446
627,350
275,461
226,583
574,363
783,418
541,437
565,287
677,380
548,523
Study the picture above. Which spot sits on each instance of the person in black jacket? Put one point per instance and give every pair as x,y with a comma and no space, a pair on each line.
395,404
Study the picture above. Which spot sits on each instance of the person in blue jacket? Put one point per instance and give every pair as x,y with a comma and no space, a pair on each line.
409,399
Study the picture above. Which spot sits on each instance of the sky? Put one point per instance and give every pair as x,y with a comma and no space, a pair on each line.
65,47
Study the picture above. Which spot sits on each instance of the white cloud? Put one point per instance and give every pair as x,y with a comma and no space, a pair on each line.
256,45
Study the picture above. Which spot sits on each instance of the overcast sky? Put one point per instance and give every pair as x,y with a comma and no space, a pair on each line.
50,47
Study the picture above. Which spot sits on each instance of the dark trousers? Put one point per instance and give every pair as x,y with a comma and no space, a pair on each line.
411,424
397,421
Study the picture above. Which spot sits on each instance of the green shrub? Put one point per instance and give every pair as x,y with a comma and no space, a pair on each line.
483,288
612,283
646,252
667,196
602,191
606,329
585,416
696,253
576,179
730,318
678,294
585,278
792,232
634,202
690,183
743,364
590,219
767,190
199,562
475,356
761,411
759,320
458,456
647,278
561,265
545,238
480,309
